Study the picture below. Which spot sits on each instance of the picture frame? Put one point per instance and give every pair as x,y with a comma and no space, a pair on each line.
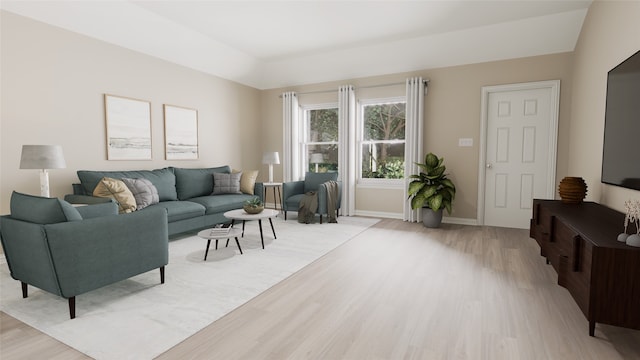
128,128
180,133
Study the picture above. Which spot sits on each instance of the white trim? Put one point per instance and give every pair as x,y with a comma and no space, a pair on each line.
554,85
459,221
380,214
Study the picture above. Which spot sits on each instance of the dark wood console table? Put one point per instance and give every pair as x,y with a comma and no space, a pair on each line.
602,274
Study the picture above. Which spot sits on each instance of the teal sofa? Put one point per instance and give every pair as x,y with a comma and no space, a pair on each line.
68,250
185,194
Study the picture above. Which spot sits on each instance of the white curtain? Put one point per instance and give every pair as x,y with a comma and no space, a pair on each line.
291,152
413,139
347,139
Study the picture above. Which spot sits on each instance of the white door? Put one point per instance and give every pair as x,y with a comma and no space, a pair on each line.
520,122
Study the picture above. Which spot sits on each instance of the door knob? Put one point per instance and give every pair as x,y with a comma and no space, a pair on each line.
489,165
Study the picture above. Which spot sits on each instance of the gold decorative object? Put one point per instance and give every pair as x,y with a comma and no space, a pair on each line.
249,209
572,190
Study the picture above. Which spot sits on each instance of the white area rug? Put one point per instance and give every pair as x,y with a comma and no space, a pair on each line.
139,318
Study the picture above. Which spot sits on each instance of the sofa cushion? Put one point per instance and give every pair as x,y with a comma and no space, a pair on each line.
192,183
247,181
221,203
163,179
226,183
42,210
179,210
313,180
143,191
117,190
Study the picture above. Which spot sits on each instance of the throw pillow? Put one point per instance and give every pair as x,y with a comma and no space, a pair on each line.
143,191
42,210
226,183
117,190
247,181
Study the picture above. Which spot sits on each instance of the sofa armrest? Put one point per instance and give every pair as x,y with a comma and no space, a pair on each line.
92,253
86,199
322,197
258,190
97,210
292,188
25,248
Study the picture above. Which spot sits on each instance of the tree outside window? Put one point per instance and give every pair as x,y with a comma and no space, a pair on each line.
383,139
321,140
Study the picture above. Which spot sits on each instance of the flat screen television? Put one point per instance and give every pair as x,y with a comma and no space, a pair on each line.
621,150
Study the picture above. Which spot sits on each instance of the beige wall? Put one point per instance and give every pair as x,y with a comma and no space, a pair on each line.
53,83
610,34
452,111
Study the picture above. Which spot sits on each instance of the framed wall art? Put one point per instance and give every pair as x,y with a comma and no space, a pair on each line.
128,124
180,133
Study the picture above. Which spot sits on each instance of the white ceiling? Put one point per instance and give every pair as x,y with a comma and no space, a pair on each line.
269,44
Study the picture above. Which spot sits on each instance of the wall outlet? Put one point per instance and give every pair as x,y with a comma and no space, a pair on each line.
466,142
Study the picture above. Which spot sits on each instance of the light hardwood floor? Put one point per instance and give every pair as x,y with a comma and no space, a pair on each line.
397,291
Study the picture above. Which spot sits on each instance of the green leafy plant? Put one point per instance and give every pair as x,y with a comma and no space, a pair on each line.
254,202
431,188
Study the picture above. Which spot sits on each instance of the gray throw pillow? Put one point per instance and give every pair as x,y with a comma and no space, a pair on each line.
226,183
143,191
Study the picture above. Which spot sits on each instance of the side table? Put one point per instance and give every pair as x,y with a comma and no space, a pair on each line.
212,234
275,186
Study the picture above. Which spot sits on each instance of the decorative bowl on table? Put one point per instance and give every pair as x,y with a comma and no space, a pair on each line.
253,206
251,209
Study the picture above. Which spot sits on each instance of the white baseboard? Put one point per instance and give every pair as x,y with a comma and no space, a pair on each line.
381,214
459,221
390,215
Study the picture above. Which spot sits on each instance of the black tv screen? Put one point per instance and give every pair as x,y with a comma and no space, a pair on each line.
621,151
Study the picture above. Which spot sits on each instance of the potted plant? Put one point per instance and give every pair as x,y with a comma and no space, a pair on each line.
253,206
431,190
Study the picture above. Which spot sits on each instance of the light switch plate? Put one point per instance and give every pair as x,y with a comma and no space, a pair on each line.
466,142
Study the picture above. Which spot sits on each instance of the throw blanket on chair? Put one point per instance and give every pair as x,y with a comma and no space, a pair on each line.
308,207
332,200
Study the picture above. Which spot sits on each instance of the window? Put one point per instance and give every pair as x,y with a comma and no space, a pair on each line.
320,138
382,137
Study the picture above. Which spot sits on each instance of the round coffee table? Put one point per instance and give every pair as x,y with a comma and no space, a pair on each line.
240,214
217,234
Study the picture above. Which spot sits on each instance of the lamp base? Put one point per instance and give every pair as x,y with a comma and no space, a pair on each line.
44,183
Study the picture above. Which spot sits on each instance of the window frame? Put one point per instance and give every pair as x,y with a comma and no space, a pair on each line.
304,134
374,182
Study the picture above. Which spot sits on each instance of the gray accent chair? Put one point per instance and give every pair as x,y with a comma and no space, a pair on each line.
69,251
293,192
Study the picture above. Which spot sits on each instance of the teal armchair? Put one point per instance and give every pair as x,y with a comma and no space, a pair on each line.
69,251
293,192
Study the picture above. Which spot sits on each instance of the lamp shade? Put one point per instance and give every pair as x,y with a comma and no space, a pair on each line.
271,157
316,158
42,157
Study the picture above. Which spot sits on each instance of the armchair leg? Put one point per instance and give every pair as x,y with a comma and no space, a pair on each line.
162,272
285,215
320,218
24,289
72,307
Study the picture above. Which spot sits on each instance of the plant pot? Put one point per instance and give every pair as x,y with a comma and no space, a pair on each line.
253,209
430,218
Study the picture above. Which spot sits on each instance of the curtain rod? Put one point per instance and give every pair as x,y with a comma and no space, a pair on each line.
426,82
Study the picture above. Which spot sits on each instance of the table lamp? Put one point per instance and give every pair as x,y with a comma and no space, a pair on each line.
271,157
42,157
316,159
